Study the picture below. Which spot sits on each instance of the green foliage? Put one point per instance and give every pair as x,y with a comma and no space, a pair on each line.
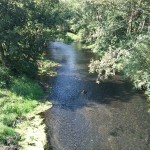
26,27
111,62
6,133
13,107
45,67
73,37
23,97
110,23
9,118
26,88
137,68
119,34
4,76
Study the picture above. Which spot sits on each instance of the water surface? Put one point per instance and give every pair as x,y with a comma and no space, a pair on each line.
110,116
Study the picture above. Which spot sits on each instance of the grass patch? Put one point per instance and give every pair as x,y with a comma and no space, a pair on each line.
26,88
23,96
6,133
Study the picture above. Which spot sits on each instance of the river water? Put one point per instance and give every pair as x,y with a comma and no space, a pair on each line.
108,116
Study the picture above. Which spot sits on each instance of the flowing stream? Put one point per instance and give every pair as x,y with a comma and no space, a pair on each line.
90,116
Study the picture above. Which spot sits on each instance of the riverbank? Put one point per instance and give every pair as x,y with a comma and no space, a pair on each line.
20,115
33,129
22,106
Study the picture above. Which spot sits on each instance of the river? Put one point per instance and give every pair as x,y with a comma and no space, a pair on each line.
90,116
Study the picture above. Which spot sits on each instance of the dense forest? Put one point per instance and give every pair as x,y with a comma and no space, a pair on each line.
117,31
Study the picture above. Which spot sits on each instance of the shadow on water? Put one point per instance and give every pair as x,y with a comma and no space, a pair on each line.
105,93
102,118
74,77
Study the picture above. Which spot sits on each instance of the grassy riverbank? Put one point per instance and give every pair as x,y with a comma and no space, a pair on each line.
22,106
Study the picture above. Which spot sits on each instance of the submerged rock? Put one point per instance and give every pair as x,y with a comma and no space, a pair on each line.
83,92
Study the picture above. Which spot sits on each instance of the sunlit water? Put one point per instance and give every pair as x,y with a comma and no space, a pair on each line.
110,116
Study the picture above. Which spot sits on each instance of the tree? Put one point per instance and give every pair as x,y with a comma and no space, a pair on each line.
118,32
26,27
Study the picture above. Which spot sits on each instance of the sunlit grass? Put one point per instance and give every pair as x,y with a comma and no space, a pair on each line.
22,98
73,36
45,67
